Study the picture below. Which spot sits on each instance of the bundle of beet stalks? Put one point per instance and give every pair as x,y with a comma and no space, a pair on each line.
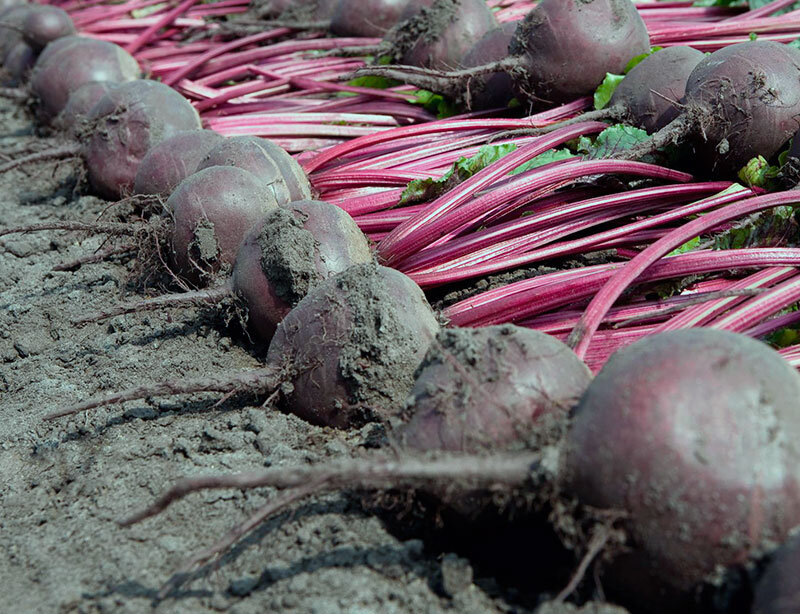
548,250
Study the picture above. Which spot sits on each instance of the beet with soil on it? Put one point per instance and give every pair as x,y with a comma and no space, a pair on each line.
266,160
490,389
343,356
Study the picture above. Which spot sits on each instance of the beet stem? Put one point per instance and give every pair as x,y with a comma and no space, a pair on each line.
183,299
257,380
673,132
65,151
449,83
486,471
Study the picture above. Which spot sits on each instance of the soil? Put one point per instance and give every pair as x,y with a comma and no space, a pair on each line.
66,482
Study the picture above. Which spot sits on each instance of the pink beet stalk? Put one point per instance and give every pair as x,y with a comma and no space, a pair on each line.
595,312
544,220
147,35
756,309
530,297
702,314
416,233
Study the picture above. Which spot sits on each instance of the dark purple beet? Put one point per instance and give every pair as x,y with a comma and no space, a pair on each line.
494,90
695,436
442,34
352,344
293,173
18,62
71,61
650,95
13,16
290,251
80,103
165,165
566,47
371,18
126,123
248,153
44,24
778,591
213,210
745,101
492,389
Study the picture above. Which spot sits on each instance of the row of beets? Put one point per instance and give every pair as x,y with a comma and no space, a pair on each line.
352,334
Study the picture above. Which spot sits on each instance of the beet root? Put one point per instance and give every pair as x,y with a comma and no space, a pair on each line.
695,436
354,363
129,120
71,61
747,101
213,210
266,160
490,389
373,18
165,165
80,102
651,93
344,355
603,36
44,24
439,36
290,251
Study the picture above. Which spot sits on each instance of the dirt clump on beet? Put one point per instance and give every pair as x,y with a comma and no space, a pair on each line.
494,388
378,331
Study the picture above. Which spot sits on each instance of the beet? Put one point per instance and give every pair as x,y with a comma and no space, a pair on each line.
79,104
561,50
695,436
71,61
165,165
18,62
372,18
778,591
44,24
344,355
650,95
494,90
440,35
491,389
126,123
741,101
290,251
213,209
353,344
266,161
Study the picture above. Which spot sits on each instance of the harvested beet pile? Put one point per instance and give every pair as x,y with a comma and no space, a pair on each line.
407,306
